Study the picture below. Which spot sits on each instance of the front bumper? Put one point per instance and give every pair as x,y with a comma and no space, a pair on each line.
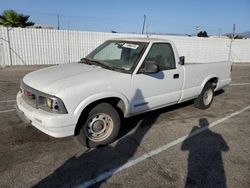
55,125
21,115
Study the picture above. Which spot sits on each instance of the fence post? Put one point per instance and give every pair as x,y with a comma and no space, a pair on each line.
1,55
10,54
231,42
1,49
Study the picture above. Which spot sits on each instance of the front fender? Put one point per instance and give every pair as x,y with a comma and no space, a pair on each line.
100,96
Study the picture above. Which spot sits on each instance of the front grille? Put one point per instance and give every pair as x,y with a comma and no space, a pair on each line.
30,95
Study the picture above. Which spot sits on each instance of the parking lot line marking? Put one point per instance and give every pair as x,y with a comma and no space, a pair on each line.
4,111
133,162
239,84
7,101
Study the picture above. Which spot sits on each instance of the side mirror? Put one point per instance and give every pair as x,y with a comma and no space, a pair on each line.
149,67
182,60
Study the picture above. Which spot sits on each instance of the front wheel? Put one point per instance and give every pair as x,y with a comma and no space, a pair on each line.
101,126
205,99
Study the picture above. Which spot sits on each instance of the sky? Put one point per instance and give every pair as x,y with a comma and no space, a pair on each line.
162,16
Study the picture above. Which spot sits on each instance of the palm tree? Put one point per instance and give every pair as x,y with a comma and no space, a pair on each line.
202,34
11,18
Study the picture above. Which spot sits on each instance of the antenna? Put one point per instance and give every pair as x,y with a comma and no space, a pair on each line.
58,22
143,26
147,32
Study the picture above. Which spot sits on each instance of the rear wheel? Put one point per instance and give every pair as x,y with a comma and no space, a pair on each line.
205,99
101,126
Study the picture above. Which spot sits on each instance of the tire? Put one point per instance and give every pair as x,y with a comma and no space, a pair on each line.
205,99
100,127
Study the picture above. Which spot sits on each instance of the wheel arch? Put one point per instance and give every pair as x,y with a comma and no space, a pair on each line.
120,103
212,79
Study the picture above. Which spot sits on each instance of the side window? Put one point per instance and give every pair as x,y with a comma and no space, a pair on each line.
163,55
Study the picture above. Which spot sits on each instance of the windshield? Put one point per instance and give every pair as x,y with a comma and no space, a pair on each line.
119,55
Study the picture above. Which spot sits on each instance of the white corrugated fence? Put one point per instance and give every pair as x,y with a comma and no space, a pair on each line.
43,46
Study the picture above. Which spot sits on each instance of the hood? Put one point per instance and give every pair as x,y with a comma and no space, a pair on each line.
54,79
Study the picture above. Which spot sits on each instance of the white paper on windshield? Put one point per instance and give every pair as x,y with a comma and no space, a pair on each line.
131,46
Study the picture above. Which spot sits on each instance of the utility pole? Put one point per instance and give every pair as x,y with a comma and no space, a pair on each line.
233,30
143,27
219,32
231,42
58,22
147,28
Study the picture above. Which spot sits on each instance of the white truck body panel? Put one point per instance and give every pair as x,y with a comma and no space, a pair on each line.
79,85
196,76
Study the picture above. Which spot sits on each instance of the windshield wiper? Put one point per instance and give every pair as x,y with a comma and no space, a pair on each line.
86,60
102,64
120,69
95,62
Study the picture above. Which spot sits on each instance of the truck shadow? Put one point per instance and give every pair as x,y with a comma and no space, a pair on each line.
219,92
80,169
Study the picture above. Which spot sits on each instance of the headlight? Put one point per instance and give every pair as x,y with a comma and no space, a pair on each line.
51,104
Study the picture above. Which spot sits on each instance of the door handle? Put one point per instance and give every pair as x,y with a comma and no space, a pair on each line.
176,76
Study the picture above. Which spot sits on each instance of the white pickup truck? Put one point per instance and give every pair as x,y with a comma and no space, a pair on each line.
120,78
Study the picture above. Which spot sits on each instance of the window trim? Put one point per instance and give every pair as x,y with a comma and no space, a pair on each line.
138,71
146,44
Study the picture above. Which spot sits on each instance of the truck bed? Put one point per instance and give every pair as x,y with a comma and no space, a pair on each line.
197,74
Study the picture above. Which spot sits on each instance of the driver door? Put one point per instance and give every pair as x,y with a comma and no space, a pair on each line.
153,90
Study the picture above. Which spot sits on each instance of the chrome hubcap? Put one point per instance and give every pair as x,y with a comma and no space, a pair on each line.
99,127
207,98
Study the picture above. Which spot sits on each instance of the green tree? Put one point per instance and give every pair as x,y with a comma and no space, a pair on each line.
11,18
202,34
